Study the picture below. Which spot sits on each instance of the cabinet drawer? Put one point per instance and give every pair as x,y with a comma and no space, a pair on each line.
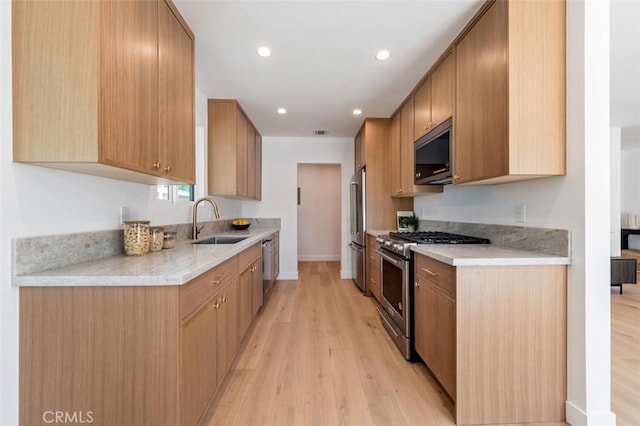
201,289
247,257
436,273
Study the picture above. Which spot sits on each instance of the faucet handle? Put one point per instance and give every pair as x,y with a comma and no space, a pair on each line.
198,230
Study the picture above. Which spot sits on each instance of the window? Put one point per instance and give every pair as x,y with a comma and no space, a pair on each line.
175,193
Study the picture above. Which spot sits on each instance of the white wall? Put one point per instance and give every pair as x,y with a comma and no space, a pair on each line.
616,190
280,159
40,201
320,203
578,202
630,164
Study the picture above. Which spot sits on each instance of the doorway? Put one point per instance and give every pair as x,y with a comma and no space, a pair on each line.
319,207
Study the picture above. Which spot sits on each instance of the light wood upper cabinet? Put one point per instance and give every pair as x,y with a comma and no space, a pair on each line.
442,90
254,163
422,110
233,151
402,155
128,112
396,152
510,94
176,97
257,166
84,100
433,100
360,154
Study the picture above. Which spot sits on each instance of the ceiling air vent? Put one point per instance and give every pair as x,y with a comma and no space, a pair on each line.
320,132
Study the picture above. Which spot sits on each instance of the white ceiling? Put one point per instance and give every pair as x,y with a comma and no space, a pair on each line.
323,63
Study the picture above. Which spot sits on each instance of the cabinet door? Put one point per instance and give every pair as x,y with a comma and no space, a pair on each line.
422,110
396,152
256,286
245,303
442,84
481,133
251,161
175,97
128,112
198,355
373,267
258,166
435,333
242,134
406,147
358,155
227,328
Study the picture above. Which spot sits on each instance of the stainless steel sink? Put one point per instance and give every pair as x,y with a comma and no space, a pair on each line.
221,240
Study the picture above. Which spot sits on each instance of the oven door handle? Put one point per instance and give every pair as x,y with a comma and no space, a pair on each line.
396,261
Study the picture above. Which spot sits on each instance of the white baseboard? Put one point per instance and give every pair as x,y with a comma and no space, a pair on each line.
319,258
577,417
288,276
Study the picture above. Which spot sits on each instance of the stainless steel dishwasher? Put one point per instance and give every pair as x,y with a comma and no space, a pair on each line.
267,264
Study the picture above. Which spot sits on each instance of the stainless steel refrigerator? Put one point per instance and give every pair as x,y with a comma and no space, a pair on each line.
358,229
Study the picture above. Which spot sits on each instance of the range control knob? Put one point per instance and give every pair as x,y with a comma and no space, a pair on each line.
379,240
398,247
387,243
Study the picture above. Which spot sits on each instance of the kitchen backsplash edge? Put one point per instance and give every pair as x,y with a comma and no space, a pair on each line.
42,253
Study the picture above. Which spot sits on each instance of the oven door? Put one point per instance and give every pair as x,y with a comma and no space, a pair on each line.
394,276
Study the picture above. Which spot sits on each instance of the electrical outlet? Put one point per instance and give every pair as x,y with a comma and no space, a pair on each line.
520,213
124,214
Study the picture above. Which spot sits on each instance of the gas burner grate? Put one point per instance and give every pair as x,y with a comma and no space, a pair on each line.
433,237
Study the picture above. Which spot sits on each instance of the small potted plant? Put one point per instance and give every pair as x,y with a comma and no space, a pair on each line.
412,222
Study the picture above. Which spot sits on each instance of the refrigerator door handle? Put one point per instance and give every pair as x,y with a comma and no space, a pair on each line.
354,208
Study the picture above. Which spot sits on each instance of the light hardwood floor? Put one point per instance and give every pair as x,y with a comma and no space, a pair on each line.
625,353
317,355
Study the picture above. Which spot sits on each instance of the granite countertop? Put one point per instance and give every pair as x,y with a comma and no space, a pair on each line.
487,255
174,266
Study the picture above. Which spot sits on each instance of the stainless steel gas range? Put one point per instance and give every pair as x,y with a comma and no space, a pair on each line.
396,277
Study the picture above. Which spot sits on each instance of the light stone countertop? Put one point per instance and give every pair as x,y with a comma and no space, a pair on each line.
376,232
174,266
486,255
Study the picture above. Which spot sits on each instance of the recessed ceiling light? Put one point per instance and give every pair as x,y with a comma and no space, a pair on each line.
264,51
357,111
282,111
382,55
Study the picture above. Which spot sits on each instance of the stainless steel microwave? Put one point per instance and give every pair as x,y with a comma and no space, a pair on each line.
433,156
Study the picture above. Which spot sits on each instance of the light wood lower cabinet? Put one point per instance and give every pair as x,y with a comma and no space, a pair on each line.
251,288
145,355
228,331
198,362
373,267
495,338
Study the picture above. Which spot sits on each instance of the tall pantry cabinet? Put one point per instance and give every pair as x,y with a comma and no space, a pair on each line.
84,100
375,148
